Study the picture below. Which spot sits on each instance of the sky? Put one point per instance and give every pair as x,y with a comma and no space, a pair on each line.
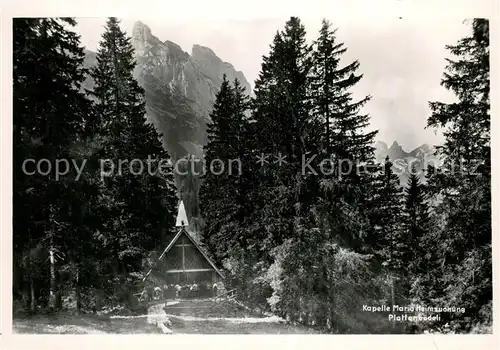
402,60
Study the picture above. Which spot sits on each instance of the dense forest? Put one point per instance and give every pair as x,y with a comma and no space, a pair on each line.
314,247
86,236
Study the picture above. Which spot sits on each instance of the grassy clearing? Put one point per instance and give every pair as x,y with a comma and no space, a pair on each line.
208,308
83,324
225,317
181,316
181,326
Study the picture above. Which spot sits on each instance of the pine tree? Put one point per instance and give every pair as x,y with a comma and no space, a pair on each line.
223,192
414,249
338,114
284,129
386,217
342,133
220,132
419,245
464,190
138,199
215,192
416,218
49,112
281,93
276,201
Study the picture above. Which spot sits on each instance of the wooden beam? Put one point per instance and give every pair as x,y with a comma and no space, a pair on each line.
190,270
183,259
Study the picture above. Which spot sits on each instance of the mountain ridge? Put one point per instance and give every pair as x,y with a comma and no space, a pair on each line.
177,85
403,160
180,89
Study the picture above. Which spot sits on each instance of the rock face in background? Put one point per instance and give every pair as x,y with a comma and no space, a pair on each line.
192,81
402,160
180,90
89,61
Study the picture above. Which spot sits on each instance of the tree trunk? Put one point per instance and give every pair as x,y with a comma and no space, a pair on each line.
392,297
52,290
32,296
77,291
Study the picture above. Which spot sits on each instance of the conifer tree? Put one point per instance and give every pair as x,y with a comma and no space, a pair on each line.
223,191
284,130
342,133
413,250
140,200
49,113
464,188
342,127
386,217
281,93
419,248
415,220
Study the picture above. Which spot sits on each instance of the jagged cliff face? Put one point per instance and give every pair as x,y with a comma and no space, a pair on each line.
180,90
420,157
198,75
194,79
180,87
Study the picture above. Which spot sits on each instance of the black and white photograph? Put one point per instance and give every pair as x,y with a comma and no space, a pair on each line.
294,175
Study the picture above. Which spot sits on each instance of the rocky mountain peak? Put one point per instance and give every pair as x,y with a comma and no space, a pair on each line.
142,38
196,78
419,157
141,27
199,51
395,146
198,75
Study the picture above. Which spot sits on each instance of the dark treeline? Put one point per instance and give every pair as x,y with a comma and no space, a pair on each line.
315,248
82,240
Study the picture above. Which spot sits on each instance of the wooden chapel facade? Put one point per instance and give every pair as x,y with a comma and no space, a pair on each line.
184,261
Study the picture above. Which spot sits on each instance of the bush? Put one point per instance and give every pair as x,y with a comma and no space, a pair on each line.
323,285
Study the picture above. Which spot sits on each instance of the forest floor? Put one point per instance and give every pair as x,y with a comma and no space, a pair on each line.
65,323
203,316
